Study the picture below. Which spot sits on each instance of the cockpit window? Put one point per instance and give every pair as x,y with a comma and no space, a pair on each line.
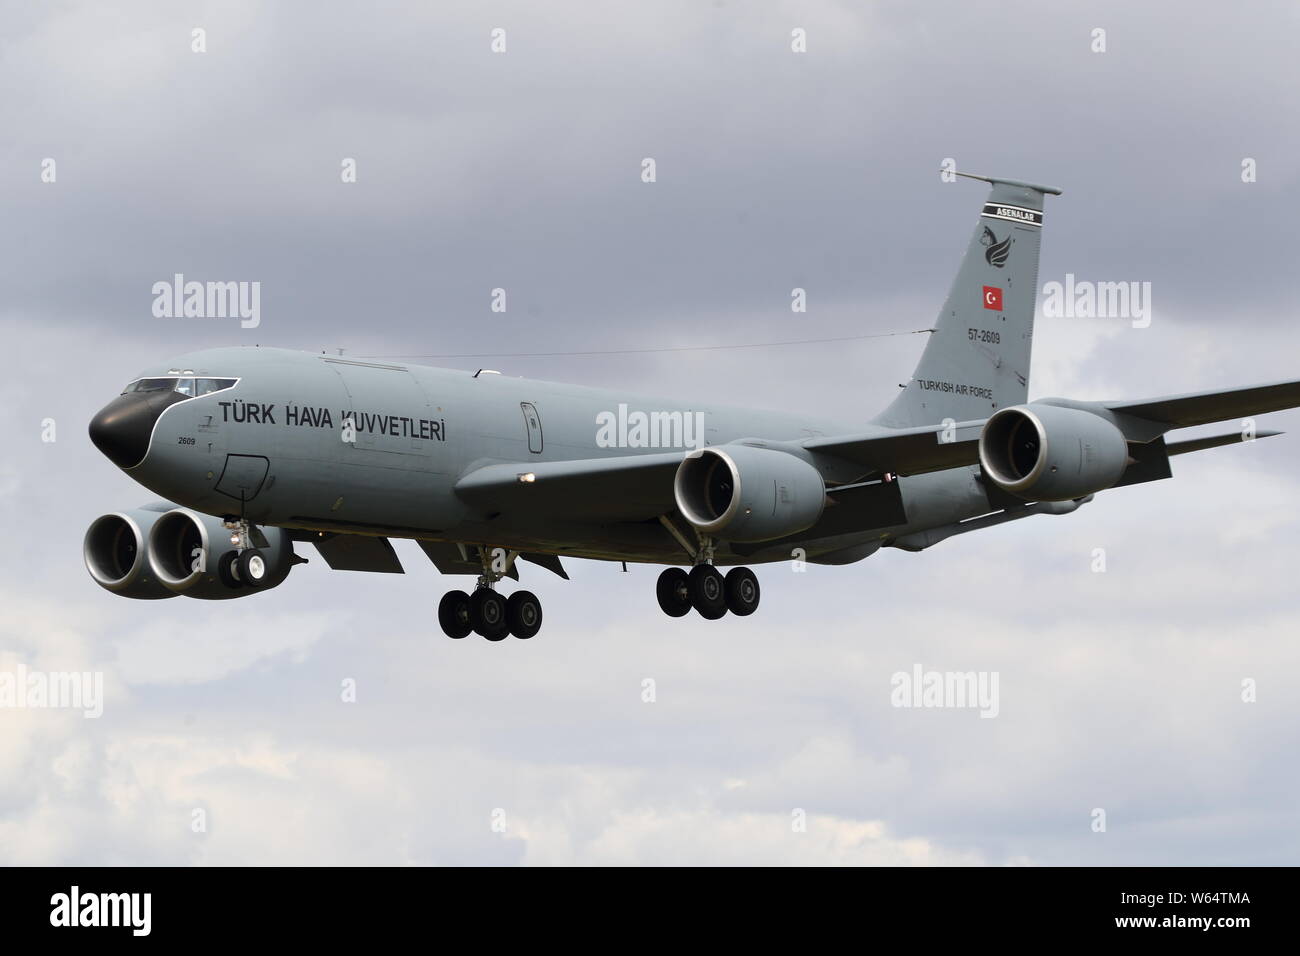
207,386
184,385
152,385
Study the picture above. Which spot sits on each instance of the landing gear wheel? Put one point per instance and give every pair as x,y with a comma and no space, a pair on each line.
524,614
453,614
708,593
487,615
228,570
673,592
741,588
252,567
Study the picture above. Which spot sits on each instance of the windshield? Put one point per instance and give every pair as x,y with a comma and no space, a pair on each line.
186,385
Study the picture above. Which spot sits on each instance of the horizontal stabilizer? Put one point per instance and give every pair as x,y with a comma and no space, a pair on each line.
1019,184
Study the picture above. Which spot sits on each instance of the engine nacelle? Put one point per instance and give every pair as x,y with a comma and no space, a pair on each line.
1050,453
185,546
116,553
744,493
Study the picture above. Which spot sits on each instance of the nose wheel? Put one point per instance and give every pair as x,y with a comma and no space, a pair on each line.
708,591
244,566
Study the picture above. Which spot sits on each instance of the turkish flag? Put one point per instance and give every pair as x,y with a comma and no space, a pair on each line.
993,298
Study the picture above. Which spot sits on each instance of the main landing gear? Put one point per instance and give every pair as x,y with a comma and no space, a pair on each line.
487,613
708,591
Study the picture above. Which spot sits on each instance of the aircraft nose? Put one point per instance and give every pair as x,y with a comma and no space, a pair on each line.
123,427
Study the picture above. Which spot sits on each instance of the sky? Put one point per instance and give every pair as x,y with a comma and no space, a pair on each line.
770,739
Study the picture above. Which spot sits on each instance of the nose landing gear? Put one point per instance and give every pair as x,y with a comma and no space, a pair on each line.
244,566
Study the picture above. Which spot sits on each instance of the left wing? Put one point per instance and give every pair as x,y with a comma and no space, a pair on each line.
626,488
1202,408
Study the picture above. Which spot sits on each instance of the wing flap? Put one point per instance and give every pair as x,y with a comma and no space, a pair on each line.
905,451
1214,441
358,552
451,558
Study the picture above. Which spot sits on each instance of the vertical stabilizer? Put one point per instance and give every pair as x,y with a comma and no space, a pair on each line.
977,358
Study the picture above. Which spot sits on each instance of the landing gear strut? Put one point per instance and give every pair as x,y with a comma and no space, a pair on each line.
487,613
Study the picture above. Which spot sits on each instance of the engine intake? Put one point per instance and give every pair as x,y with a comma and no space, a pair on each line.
115,553
747,493
1051,453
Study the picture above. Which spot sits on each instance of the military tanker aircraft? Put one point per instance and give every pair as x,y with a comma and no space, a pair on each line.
259,450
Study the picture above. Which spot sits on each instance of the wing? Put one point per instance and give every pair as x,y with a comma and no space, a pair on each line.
1214,441
640,487
1201,408
625,488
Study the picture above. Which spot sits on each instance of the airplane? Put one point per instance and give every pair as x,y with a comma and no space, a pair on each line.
257,450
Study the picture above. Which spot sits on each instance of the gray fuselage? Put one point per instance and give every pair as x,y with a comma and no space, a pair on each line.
273,446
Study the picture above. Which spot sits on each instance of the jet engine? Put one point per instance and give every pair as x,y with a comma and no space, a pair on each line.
115,549
186,550
747,493
1051,453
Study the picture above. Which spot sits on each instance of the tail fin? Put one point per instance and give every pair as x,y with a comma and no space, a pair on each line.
977,358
